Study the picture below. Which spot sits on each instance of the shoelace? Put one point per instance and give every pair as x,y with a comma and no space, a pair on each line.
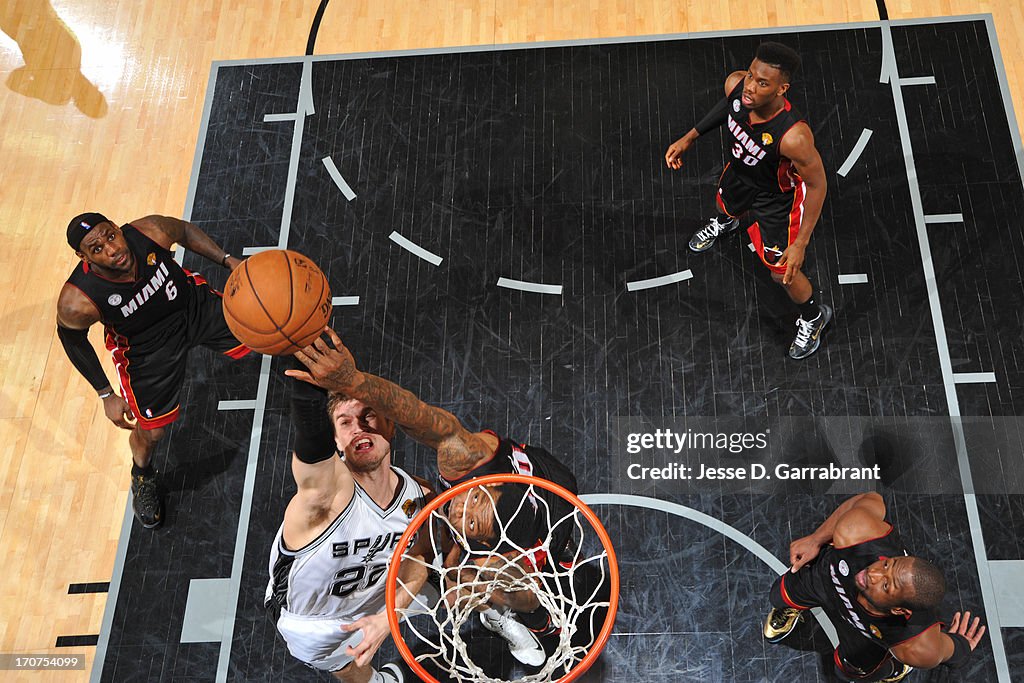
803,331
713,230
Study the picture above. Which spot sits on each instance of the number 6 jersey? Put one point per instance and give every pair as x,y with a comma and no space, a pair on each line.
340,574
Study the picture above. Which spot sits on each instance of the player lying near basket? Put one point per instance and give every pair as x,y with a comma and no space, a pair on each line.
462,455
331,554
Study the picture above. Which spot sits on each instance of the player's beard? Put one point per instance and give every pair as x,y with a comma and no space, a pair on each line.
364,463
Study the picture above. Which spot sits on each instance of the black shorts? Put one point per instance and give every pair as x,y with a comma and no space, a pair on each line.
151,371
772,219
857,658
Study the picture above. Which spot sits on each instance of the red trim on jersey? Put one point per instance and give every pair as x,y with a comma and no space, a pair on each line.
785,595
118,346
787,176
718,195
843,547
786,106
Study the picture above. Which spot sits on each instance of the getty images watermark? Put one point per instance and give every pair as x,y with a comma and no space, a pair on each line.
713,447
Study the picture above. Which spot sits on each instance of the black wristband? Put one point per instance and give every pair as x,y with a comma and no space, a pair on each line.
714,118
961,651
82,356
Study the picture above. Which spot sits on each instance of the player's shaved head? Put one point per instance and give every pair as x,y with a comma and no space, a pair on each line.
929,585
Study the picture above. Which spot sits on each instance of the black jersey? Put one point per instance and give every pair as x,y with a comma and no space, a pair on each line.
755,146
534,461
836,569
145,307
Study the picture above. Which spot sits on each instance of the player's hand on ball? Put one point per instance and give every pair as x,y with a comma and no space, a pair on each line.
802,551
375,629
117,411
331,366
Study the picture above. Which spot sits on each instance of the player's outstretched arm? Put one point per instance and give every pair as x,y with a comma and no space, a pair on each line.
331,366
320,475
165,231
713,119
857,519
935,646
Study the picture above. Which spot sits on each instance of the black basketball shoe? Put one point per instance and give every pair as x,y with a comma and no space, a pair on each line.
781,622
808,333
392,673
704,238
146,500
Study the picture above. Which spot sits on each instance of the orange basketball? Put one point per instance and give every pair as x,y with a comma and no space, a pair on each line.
277,302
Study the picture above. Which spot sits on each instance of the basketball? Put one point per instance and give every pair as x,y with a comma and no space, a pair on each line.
277,302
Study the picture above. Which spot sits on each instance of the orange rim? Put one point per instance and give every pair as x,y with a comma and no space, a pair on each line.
424,515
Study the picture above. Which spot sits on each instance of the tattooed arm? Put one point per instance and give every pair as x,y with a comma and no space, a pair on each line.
332,367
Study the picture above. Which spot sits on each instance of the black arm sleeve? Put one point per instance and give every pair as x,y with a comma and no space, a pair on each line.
314,434
83,357
714,118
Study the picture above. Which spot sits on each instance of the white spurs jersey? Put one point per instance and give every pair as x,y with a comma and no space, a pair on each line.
341,573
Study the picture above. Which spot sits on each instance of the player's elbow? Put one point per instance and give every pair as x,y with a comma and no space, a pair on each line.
921,660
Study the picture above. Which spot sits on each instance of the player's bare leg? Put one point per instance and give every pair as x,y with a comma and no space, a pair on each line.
389,673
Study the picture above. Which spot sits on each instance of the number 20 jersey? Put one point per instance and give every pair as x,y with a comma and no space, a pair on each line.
341,573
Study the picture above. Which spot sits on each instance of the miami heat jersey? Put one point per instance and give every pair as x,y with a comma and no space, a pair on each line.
754,147
341,573
143,308
836,569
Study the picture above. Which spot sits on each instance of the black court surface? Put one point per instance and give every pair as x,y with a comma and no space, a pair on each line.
502,238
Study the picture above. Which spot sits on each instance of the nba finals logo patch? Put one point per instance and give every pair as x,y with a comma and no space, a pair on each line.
767,138
151,259
409,508
875,632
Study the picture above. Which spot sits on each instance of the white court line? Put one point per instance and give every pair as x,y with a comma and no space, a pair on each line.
415,249
974,377
249,251
345,301
855,153
977,536
715,524
276,118
853,279
920,80
525,286
338,180
944,218
681,276
236,405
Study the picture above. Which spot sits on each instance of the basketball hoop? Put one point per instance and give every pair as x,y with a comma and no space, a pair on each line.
575,586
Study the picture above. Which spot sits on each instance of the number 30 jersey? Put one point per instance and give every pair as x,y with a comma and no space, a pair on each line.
341,573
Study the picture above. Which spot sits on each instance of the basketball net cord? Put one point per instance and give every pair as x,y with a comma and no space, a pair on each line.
513,571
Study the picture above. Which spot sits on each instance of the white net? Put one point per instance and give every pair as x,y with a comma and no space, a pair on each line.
567,572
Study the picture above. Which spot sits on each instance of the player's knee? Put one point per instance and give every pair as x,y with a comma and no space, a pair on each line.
150,436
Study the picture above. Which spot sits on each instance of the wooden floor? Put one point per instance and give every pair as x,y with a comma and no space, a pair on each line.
101,112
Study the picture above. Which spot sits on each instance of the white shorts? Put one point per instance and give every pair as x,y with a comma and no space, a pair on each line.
318,641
